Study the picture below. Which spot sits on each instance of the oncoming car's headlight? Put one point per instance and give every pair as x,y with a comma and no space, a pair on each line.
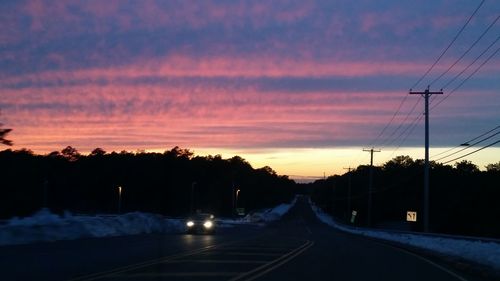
190,223
208,224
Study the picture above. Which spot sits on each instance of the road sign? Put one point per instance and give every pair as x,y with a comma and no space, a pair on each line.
353,216
411,216
240,211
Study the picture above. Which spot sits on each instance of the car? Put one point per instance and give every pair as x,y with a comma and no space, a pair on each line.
201,224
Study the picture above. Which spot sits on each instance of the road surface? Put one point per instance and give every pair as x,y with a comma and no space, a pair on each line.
298,247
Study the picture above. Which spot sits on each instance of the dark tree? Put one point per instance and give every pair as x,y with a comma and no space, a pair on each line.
466,167
151,182
3,135
98,152
463,198
494,167
70,153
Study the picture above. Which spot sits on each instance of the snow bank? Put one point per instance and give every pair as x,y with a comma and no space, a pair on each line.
480,252
260,217
272,214
45,226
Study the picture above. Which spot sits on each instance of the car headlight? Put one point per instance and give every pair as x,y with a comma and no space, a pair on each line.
208,224
190,223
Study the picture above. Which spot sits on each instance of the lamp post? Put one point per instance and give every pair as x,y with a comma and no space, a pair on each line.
237,194
192,197
45,193
119,199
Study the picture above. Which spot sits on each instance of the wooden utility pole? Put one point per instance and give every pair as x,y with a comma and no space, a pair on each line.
426,94
370,187
348,192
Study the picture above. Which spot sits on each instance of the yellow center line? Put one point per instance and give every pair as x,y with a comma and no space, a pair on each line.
272,265
105,274
220,261
241,254
257,248
175,274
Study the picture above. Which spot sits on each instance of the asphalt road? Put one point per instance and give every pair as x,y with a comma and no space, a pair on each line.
298,247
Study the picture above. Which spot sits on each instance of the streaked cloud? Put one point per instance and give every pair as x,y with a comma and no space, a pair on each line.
235,74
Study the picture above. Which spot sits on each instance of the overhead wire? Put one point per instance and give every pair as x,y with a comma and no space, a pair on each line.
412,128
467,147
424,75
472,63
390,121
466,52
475,151
466,79
469,141
401,124
449,45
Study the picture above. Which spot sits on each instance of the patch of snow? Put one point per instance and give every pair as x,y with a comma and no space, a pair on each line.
483,252
45,226
260,217
272,214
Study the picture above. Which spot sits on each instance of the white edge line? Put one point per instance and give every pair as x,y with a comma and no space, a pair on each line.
420,257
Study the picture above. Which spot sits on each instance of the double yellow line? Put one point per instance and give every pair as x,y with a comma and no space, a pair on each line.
104,274
272,265
247,276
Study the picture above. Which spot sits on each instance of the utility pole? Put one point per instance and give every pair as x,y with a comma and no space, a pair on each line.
233,200
348,192
370,186
426,94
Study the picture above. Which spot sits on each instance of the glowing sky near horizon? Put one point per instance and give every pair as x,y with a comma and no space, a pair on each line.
301,86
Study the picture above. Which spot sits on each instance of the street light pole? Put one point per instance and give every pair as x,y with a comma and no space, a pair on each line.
236,202
192,197
119,199
45,193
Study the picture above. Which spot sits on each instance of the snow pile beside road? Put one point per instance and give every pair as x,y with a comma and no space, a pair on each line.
45,226
481,252
260,217
272,214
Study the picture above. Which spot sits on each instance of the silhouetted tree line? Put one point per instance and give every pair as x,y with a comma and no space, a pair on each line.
151,182
463,199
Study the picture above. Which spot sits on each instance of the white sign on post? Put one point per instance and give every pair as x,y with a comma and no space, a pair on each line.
411,216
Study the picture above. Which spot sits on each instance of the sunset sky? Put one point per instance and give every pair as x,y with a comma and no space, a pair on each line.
301,86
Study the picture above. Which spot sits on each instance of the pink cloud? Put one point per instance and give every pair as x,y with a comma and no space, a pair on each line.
186,66
144,117
115,116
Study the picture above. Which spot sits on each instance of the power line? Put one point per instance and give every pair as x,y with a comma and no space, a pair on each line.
449,45
466,52
400,125
477,150
468,146
390,121
423,76
469,141
412,128
470,64
466,79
